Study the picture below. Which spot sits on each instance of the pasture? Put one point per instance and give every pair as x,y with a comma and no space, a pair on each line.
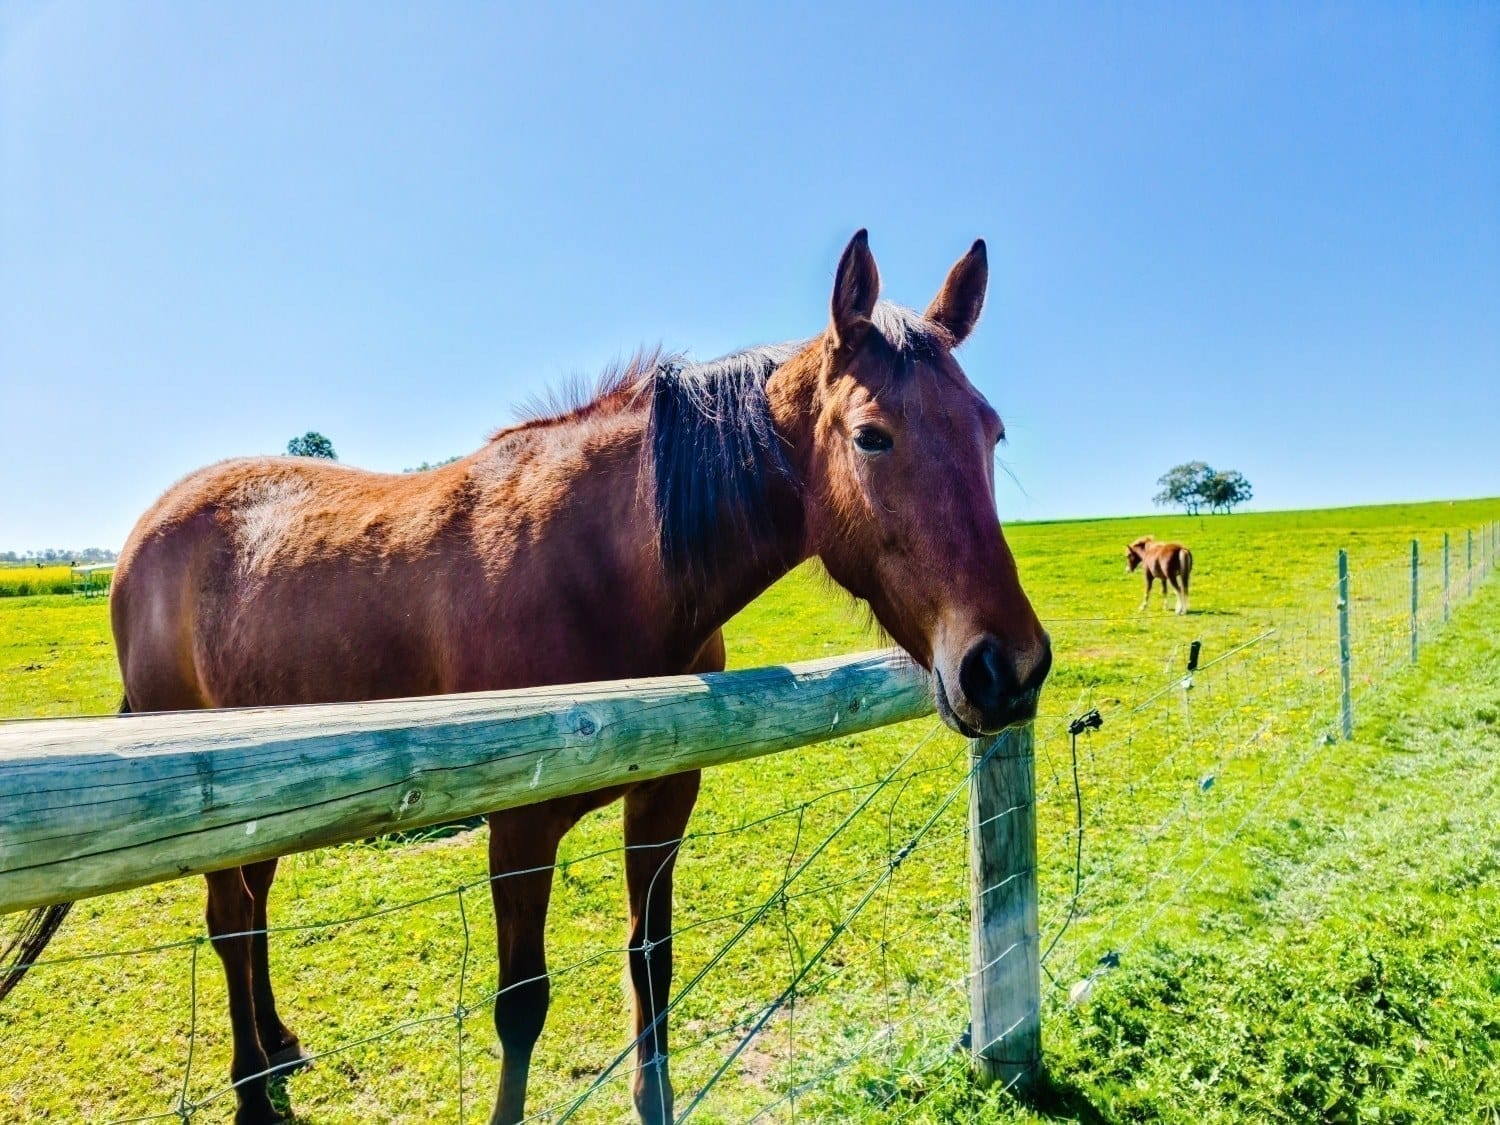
1372,861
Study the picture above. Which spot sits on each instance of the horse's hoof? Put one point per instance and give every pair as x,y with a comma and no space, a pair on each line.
289,1059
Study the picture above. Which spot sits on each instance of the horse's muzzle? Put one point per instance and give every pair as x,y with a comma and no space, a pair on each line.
992,693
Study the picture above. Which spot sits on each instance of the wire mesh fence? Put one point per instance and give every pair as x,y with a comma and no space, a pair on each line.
1174,781
821,934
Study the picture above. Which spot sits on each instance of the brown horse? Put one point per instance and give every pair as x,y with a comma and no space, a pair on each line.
612,540
1171,563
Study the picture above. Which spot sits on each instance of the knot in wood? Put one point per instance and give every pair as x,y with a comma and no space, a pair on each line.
580,722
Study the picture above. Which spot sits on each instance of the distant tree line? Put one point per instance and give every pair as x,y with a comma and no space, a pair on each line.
425,465
56,555
314,444
1197,486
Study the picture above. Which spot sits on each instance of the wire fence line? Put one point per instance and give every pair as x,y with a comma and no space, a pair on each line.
1203,758
834,978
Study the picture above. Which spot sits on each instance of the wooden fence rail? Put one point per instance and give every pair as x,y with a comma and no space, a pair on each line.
89,806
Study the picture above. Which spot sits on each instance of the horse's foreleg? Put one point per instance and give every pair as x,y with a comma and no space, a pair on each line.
523,849
231,915
656,815
281,1046
1146,601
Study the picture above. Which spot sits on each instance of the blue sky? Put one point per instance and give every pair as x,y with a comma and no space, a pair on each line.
1263,236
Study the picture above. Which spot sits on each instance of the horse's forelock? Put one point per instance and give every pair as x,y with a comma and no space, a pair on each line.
910,334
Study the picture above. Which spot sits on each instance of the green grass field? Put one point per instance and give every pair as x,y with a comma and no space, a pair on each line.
1301,925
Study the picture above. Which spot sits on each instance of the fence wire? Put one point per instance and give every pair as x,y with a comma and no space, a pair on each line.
822,947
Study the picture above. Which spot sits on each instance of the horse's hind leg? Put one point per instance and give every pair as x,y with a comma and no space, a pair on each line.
281,1046
523,849
231,917
656,815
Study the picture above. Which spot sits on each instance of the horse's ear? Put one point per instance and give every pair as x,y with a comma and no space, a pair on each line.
856,288
959,301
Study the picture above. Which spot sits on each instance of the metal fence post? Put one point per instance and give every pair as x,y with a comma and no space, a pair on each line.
1414,629
1469,568
1346,708
1445,577
1005,981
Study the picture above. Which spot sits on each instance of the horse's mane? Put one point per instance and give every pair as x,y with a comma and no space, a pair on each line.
577,397
714,454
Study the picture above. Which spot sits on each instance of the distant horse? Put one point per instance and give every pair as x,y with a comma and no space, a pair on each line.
611,540
1171,563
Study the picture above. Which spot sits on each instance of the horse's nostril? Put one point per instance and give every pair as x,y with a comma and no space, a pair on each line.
985,677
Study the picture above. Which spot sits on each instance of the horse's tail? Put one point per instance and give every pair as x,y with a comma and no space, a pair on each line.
22,951
1187,568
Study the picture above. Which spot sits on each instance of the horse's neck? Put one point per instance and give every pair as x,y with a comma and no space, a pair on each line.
700,611
746,557
700,605
576,493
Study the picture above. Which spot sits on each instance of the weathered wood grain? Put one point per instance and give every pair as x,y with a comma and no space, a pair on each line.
1005,982
89,806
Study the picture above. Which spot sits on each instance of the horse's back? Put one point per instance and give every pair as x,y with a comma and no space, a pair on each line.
1171,560
281,580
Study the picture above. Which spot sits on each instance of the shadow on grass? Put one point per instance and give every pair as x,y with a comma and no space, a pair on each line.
952,1092
1059,1100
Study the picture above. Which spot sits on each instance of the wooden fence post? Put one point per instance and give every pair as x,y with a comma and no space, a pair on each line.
1346,706
1005,981
1414,628
1445,578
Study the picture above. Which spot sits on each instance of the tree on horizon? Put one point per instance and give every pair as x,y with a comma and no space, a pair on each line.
312,444
1195,485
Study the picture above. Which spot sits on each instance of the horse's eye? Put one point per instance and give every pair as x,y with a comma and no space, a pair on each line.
870,440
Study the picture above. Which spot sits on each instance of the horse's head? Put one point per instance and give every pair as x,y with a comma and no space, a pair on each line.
897,451
1135,553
